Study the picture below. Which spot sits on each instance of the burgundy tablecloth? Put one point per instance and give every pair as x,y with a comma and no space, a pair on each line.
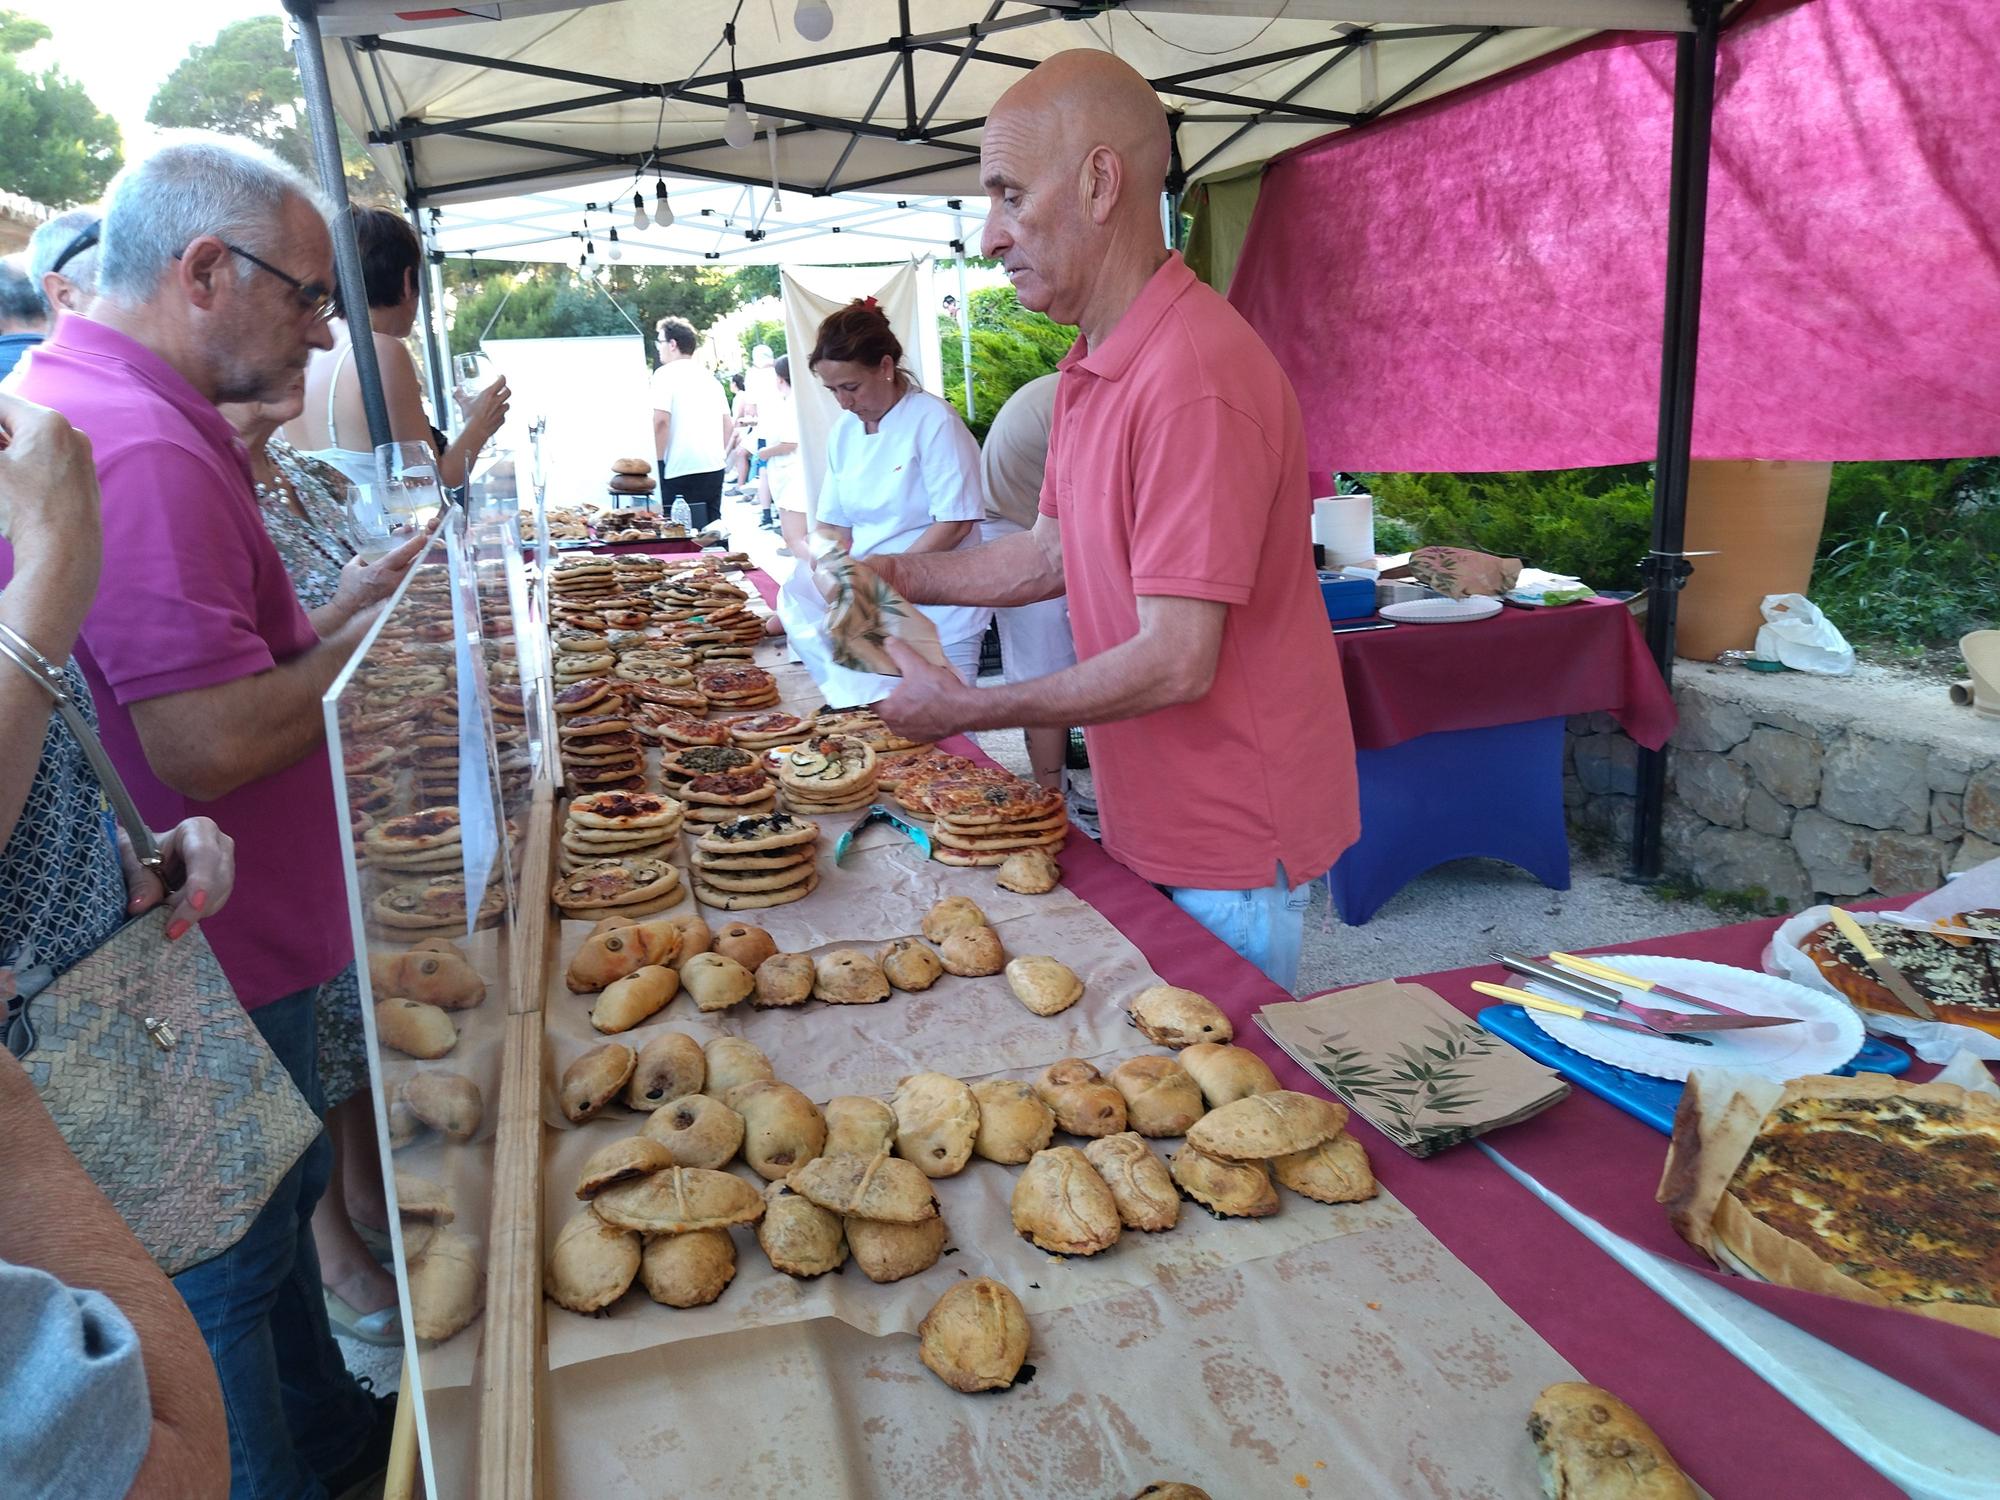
1522,664
1614,1178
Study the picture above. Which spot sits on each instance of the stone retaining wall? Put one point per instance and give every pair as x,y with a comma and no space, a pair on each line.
1803,787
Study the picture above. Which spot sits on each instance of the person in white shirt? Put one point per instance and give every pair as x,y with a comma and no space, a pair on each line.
783,479
690,424
902,471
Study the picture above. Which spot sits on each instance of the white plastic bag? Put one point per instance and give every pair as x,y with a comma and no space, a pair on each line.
1797,633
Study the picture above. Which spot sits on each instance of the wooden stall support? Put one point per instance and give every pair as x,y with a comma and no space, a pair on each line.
400,1482
510,1363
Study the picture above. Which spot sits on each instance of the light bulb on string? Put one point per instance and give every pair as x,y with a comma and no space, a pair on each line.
813,19
617,251
737,130
639,219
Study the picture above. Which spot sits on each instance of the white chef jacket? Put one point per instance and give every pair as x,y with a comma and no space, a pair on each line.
691,396
920,466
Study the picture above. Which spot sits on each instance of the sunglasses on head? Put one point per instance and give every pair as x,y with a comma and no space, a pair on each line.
86,239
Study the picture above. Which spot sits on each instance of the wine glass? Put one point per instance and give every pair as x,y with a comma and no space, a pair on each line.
406,485
367,524
471,374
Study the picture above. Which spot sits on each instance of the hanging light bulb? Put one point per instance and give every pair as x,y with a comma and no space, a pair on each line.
639,219
737,129
617,251
814,19
771,140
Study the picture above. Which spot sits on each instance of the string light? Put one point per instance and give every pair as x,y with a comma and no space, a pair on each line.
617,251
736,128
814,19
663,208
639,220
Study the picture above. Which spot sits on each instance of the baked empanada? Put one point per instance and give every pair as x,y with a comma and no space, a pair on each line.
670,1065
733,1061
716,982
910,964
1083,1103
847,976
693,932
417,1236
621,1161
889,1252
434,972
858,1126
1227,1073
1171,1491
628,1001
799,1237
950,914
690,1269
679,1200
420,1198
1013,1122
1279,1123
696,1130
1043,984
1174,1017
937,1120
447,1102
748,945
1063,1206
404,1126
883,1187
784,979
1139,1181
1161,1097
594,1079
414,1028
1227,1189
975,1336
1032,872
447,1286
625,949
972,951
1334,1171
591,1264
781,1127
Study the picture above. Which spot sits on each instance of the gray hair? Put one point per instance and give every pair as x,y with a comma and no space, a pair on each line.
20,302
196,184
47,244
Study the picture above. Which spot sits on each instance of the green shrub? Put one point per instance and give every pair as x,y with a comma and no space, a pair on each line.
1910,557
764,331
1593,524
1010,347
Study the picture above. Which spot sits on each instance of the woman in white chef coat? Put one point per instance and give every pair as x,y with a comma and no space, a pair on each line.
902,471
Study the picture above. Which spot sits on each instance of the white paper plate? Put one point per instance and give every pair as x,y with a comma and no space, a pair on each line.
1827,1038
1441,611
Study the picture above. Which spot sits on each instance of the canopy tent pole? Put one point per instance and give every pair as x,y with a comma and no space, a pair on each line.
311,55
1666,569
429,309
964,309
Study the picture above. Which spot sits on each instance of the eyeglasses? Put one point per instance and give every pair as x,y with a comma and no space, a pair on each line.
86,239
313,297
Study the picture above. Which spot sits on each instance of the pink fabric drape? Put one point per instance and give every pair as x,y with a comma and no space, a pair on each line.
1477,284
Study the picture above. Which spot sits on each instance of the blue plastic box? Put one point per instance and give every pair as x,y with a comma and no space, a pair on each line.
1347,598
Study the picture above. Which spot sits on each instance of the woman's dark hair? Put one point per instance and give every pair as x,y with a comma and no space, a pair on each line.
737,380
783,365
858,334
390,254
680,331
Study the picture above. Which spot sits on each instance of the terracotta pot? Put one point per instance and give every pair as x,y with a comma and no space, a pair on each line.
1762,521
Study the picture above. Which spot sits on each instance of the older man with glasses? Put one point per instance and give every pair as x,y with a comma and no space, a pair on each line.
213,285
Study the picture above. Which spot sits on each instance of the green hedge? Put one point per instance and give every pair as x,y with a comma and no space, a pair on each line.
1010,347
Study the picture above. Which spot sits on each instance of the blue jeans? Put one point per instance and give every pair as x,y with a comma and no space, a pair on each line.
295,1413
1266,926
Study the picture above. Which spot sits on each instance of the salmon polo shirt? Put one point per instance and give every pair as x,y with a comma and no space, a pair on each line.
193,594
1177,468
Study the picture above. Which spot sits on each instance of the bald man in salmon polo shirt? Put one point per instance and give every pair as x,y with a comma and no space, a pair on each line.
1176,513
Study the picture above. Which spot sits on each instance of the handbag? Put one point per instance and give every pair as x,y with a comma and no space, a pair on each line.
153,1071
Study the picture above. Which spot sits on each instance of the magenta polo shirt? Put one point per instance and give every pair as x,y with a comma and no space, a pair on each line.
1177,467
193,594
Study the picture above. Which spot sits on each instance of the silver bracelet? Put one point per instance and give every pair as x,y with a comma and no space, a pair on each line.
33,662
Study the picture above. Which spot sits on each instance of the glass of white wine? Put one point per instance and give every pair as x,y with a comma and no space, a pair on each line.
406,486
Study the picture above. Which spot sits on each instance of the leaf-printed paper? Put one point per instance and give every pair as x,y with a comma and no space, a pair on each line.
863,612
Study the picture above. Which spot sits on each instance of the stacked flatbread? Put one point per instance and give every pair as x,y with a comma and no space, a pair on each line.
724,796
680,764
674,727
425,842
581,580
981,822
638,572
433,907
828,774
734,688
755,862
434,758
622,885
768,731
580,653
619,825
909,778
866,725
601,752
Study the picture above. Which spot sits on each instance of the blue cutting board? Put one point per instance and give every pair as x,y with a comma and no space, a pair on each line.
1653,1100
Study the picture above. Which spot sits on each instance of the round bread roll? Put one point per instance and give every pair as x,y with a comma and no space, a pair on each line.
628,1001
950,914
1063,1206
716,982
1139,1181
696,1131
748,945
847,976
1227,1073
447,1102
782,1128
784,979
859,1126
1043,984
733,1061
1227,1189
669,1066
972,951
594,1079
621,1161
937,1120
1588,1443
630,466
799,1237
1013,1122
889,1252
1174,1017
975,1337
1082,1102
447,1286
1031,872
910,964
591,1264
1161,1097
688,1270
414,1028
631,484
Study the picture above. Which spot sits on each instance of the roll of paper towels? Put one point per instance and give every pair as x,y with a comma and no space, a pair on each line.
1345,526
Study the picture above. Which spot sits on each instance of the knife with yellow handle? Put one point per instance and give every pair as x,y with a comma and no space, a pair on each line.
1590,968
1576,1012
1885,971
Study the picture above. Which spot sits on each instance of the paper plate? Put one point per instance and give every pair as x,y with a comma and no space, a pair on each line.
1829,1035
1442,611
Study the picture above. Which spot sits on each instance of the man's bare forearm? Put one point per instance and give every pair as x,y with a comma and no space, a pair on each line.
1137,676
1009,571
208,742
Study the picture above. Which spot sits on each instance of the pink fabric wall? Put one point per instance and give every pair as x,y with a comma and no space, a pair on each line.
1477,285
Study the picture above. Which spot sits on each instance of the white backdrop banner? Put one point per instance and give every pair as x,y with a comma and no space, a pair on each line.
594,393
